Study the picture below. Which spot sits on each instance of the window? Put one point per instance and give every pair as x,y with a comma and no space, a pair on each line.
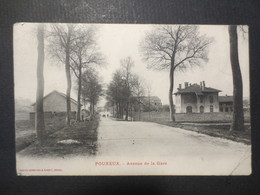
221,109
226,109
201,99
201,109
188,109
211,99
211,108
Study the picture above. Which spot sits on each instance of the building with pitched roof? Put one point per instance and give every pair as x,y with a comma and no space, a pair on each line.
55,101
147,103
55,104
194,98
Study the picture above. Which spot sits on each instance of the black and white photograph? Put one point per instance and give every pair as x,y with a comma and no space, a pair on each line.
131,99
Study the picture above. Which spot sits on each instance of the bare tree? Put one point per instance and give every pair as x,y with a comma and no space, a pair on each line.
174,47
126,66
137,90
125,89
39,118
84,53
61,38
238,113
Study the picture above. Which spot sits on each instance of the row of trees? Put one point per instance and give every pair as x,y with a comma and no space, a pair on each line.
173,47
91,89
125,89
75,47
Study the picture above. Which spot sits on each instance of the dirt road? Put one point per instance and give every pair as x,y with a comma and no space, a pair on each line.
183,151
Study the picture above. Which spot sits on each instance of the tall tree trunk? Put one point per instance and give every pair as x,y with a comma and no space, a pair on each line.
68,76
172,117
93,109
238,114
39,118
139,110
132,116
117,110
79,94
90,110
113,110
149,116
121,110
126,112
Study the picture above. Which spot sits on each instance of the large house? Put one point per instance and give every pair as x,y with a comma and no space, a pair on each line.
55,103
194,98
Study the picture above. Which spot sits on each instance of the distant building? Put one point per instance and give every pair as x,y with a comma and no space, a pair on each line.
55,104
103,111
246,104
152,103
194,98
226,103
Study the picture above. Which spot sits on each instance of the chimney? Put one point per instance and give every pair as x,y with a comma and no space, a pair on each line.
186,84
203,85
179,86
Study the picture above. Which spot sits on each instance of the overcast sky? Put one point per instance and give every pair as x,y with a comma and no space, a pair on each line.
117,41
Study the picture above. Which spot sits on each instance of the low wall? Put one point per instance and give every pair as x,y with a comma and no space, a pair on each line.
184,117
48,116
153,116
204,117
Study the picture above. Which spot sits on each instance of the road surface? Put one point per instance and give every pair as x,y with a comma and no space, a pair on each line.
143,148
171,150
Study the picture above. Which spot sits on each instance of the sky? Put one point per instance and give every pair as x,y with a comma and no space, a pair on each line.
117,41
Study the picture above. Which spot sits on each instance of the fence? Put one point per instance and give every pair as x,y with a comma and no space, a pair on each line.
184,117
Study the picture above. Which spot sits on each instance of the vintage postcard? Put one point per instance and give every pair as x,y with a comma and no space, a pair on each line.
131,99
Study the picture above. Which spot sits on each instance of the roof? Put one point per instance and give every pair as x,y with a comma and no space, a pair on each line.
195,88
145,99
152,98
61,94
225,98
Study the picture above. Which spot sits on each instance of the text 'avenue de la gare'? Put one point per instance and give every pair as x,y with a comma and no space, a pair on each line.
116,163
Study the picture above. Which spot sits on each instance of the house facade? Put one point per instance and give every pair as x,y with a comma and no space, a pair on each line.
194,98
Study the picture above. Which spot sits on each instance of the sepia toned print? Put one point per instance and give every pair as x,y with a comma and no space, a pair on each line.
132,99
